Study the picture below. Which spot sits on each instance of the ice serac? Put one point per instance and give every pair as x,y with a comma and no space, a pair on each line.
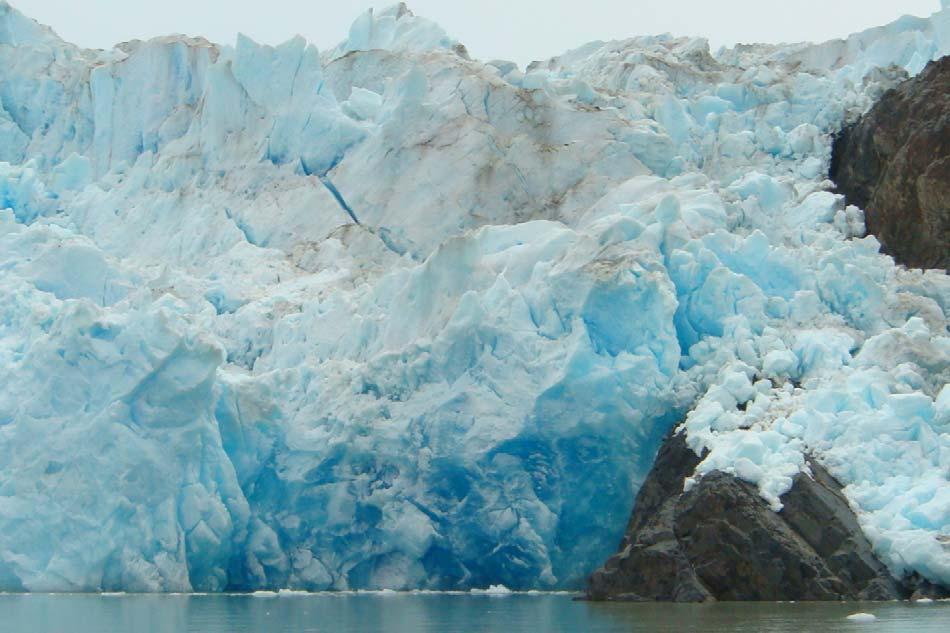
388,317
397,29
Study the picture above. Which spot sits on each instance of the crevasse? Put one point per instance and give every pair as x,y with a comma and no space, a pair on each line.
212,377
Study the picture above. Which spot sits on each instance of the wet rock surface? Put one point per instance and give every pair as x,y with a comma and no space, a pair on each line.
895,164
721,541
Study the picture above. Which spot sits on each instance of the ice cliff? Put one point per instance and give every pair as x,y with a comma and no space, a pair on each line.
386,316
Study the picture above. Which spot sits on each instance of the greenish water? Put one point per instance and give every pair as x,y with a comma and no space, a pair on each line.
349,613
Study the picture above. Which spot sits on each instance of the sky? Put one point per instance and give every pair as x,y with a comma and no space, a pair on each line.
518,30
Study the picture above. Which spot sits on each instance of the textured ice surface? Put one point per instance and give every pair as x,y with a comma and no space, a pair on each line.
389,318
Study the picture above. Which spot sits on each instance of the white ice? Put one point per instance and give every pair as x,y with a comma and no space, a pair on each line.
389,318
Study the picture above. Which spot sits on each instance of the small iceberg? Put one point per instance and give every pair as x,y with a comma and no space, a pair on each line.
493,590
862,618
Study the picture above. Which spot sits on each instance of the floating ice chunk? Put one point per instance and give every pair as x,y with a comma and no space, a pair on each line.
493,590
862,618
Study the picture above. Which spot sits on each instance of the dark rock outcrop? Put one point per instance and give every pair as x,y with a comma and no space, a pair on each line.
721,541
895,164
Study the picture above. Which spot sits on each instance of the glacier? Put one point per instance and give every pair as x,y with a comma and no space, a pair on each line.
387,317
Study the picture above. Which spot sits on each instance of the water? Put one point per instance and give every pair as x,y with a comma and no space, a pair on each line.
348,613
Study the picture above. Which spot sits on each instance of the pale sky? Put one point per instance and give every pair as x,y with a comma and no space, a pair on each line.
519,30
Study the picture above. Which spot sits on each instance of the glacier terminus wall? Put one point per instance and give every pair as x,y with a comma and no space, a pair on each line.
384,316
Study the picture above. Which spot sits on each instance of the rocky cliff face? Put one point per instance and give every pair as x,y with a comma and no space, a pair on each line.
721,541
895,163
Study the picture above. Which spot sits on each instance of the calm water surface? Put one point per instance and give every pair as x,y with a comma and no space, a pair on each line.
449,613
